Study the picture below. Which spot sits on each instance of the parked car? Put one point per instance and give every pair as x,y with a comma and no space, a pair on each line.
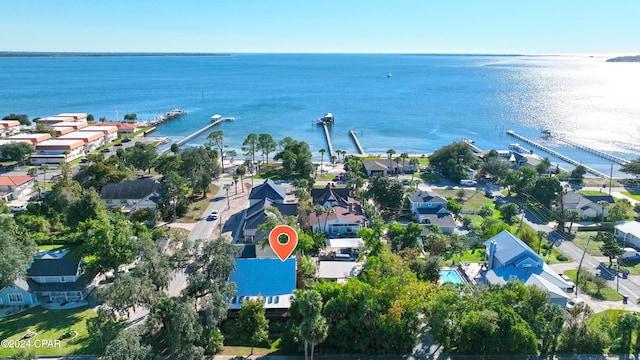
19,207
105,150
118,144
572,285
126,140
573,303
214,215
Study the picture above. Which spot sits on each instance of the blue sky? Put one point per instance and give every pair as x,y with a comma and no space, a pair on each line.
337,26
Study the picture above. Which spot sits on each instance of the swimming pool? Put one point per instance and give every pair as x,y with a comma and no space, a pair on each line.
450,276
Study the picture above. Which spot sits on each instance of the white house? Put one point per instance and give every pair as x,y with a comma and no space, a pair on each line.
346,217
628,233
15,186
9,127
589,207
57,151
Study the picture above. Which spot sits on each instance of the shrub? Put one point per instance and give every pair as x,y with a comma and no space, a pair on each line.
562,257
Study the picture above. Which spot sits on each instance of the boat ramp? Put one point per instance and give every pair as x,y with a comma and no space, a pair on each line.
556,154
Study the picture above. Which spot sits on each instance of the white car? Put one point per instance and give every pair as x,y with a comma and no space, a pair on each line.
214,215
573,303
572,285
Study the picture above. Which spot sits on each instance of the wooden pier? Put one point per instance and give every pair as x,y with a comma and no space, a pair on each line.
196,133
471,145
599,153
355,140
556,154
326,133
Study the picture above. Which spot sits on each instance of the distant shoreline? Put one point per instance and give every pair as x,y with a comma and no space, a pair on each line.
99,54
635,58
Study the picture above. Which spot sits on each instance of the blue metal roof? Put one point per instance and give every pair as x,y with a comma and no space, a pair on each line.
509,249
266,277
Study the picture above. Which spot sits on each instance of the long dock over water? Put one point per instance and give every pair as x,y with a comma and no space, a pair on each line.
556,154
329,144
599,153
355,140
196,133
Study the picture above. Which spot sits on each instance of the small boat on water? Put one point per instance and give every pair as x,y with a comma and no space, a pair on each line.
389,75
327,119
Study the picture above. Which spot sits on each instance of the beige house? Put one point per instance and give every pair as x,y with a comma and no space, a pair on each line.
15,186
57,151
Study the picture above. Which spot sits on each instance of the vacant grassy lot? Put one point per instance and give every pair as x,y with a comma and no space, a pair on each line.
199,205
634,196
472,200
49,325
581,240
606,293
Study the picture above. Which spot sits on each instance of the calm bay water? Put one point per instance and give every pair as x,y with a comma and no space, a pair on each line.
428,102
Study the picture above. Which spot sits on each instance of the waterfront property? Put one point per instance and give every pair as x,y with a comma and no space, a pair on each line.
92,139
346,218
510,259
588,207
34,138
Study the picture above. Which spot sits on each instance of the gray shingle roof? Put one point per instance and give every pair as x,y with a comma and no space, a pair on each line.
130,189
54,267
268,189
422,196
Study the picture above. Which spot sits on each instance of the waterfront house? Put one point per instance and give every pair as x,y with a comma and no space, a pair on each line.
510,259
131,195
272,280
380,167
15,186
347,216
57,151
588,207
628,233
9,127
427,207
123,128
269,190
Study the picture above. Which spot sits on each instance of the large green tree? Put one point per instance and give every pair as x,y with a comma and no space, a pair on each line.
632,167
546,189
17,254
140,156
609,247
17,151
22,118
216,140
451,160
387,192
296,157
252,327
200,168
266,145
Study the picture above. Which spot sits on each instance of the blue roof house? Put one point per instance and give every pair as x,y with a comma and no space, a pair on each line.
510,259
273,280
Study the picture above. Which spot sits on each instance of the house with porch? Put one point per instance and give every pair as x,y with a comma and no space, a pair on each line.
510,259
380,167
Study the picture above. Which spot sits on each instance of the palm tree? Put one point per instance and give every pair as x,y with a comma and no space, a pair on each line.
603,204
541,235
34,172
313,328
235,183
329,210
321,151
404,156
241,171
306,272
44,168
414,162
249,166
574,216
226,188
334,160
390,152
319,210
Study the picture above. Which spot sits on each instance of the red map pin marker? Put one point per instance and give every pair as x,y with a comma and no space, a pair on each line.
283,250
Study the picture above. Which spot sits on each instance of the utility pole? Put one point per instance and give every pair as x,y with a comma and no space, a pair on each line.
610,178
580,265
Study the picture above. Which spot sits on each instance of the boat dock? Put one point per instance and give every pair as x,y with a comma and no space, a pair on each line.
599,153
326,133
196,133
471,145
556,154
355,140
169,115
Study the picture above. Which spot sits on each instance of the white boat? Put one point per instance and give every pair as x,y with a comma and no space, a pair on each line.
326,119
216,117
389,75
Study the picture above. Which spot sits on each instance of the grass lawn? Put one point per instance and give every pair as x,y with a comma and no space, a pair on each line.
581,241
75,250
607,293
472,255
592,193
197,208
430,178
604,317
49,326
473,200
634,196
